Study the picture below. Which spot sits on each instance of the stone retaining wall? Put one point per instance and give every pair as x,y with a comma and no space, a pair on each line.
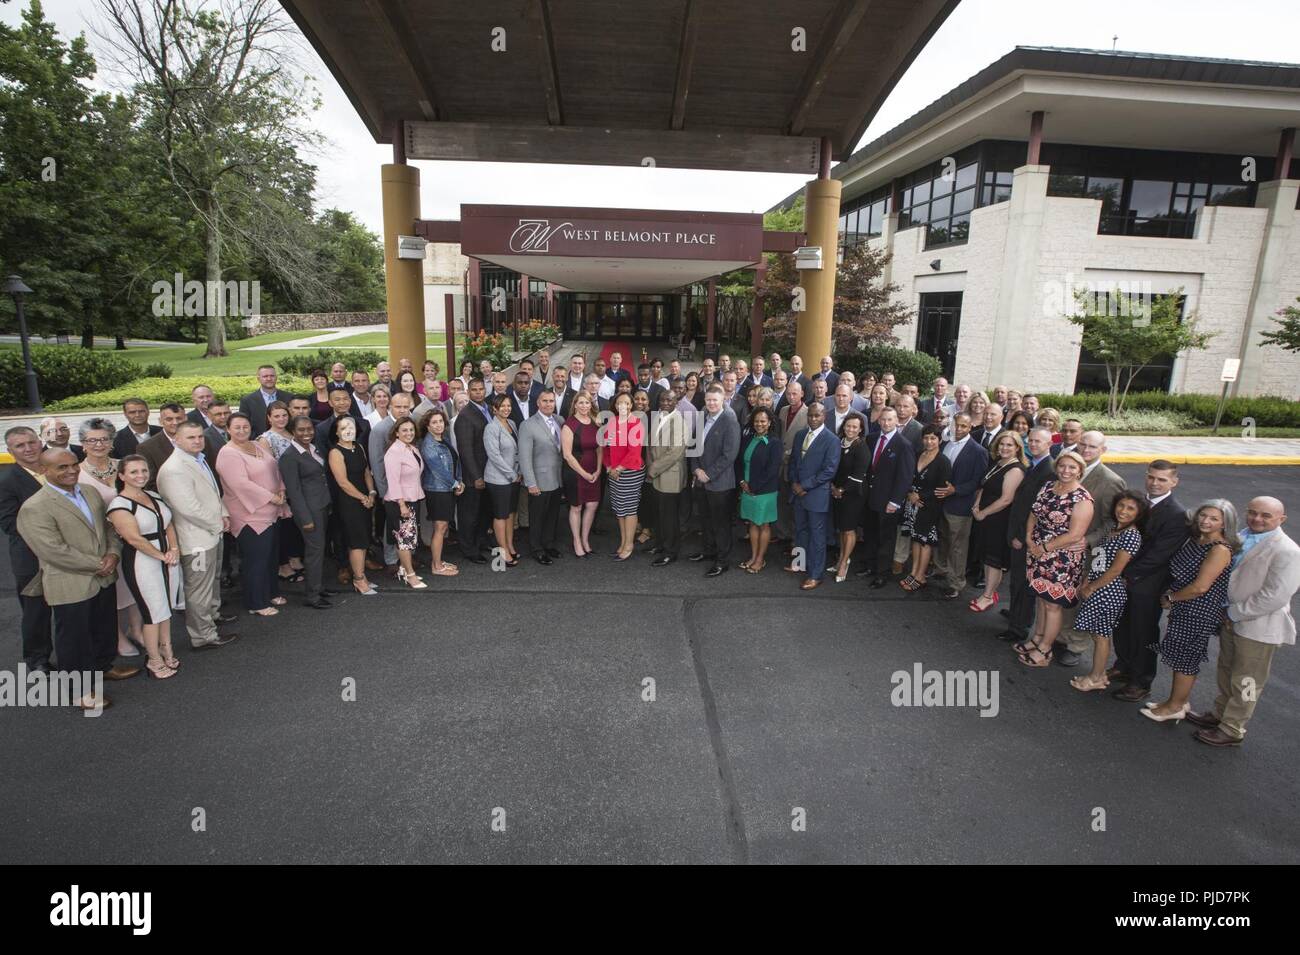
306,321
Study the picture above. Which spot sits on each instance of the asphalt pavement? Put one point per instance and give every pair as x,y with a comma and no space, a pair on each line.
606,712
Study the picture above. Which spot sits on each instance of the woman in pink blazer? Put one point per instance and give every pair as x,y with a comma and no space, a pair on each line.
402,467
254,494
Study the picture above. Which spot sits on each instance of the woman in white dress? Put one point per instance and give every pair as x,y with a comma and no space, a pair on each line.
99,471
150,562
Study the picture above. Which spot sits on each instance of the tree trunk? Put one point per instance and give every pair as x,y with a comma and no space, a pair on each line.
119,343
216,320
88,335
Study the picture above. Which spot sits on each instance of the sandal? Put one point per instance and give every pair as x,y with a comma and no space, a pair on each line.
296,577
160,672
265,612
744,565
279,601
169,657
911,584
446,570
1026,659
975,607
1086,683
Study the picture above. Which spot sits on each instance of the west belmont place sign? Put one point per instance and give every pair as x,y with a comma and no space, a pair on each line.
489,231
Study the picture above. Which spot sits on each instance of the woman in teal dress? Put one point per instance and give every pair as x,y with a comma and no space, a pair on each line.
760,478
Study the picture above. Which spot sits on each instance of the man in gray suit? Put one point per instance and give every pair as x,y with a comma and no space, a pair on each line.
540,462
1103,484
398,407
215,435
715,479
308,494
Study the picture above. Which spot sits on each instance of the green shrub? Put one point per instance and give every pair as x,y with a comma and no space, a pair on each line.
352,358
1268,411
61,371
909,367
1133,421
534,335
157,369
485,345
160,391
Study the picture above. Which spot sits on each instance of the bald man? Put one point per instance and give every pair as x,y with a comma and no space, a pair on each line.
1259,621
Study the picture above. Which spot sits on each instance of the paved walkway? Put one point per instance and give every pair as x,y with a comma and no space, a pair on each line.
323,338
1139,449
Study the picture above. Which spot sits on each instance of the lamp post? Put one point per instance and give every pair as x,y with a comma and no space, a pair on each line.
15,288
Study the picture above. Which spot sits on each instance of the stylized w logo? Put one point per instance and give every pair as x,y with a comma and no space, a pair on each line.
534,235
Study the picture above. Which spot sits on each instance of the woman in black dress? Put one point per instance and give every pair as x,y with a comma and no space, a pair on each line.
354,498
849,488
992,512
922,510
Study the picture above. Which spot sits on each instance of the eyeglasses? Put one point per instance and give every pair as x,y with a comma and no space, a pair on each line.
99,441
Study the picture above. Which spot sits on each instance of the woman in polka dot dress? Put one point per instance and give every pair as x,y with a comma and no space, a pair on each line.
1195,597
1104,595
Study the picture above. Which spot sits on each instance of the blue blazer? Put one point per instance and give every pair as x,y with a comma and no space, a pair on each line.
764,466
813,471
967,472
891,478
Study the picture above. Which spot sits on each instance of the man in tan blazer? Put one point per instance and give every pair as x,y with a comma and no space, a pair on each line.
189,486
1104,485
792,418
78,554
1259,621
666,469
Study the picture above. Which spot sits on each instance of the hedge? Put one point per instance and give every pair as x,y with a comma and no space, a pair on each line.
1268,411
160,391
352,358
909,367
62,371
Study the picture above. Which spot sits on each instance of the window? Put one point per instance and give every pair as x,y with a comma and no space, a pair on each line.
997,187
941,203
864,217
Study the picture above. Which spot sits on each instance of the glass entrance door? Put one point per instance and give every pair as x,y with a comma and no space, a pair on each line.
938,326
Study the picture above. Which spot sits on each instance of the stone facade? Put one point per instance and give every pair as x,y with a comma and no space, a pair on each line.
305,321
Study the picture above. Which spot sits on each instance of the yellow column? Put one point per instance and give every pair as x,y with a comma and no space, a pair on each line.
822,223
403,278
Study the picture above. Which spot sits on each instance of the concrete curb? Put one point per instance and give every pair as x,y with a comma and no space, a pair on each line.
1259,460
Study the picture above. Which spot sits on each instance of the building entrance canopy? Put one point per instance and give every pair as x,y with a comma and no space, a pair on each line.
612,250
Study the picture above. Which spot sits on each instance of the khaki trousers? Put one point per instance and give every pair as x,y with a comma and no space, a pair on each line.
201,573
1242,672
954,543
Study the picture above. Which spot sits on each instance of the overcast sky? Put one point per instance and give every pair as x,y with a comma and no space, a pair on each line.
977,33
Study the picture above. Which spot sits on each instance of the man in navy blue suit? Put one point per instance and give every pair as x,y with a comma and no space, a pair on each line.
893,465
814,459
969,464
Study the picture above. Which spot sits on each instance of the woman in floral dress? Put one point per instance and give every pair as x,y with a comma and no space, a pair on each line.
1054,536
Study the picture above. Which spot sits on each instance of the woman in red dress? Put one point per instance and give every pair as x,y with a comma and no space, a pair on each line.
583,459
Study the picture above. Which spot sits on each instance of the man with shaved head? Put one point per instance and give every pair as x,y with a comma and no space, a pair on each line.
1259,621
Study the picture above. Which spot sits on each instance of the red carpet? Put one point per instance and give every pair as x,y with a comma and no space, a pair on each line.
631,354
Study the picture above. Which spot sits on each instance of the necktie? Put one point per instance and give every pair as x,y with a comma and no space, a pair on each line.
555,432
807,441
880,446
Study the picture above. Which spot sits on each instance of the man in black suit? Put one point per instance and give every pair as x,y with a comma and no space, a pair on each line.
469,427
58,436
341,405
523,401
796,374
970,462
1020,615
18,482
1145,578
560,389
989,427
159,448
757,377
828,375
254,403
202,396
216,434
308,495
893,465
138,430
646,382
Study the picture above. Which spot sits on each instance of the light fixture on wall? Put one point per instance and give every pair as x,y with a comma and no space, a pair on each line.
935,265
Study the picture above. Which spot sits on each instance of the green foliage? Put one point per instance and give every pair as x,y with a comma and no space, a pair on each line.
1287,334
1265,410
864,313
352,358
158,391
350,262
484,345
909,367
157,369
533,336
61,371
1128,339
741,281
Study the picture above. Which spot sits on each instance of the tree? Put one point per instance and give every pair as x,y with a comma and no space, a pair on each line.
1287,335
865,312
226,119
351,262
1127,335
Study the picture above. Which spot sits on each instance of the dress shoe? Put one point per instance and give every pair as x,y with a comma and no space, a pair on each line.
1068,658
654,551
554,554
810,584
865,572
696,558
663,561
1132,693
1005,611
225,618
1010,636
122,673
717,570
1115,674
1216,737
320,603
372,564
878,582
1206,720
541,558
950,593
221,641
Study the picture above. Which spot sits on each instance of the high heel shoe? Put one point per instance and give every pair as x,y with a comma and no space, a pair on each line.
975,607
840,578
412,580
1177,715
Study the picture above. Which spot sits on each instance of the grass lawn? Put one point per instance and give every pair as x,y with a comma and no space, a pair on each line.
380,340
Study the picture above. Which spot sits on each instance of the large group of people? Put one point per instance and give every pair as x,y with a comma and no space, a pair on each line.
956,491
